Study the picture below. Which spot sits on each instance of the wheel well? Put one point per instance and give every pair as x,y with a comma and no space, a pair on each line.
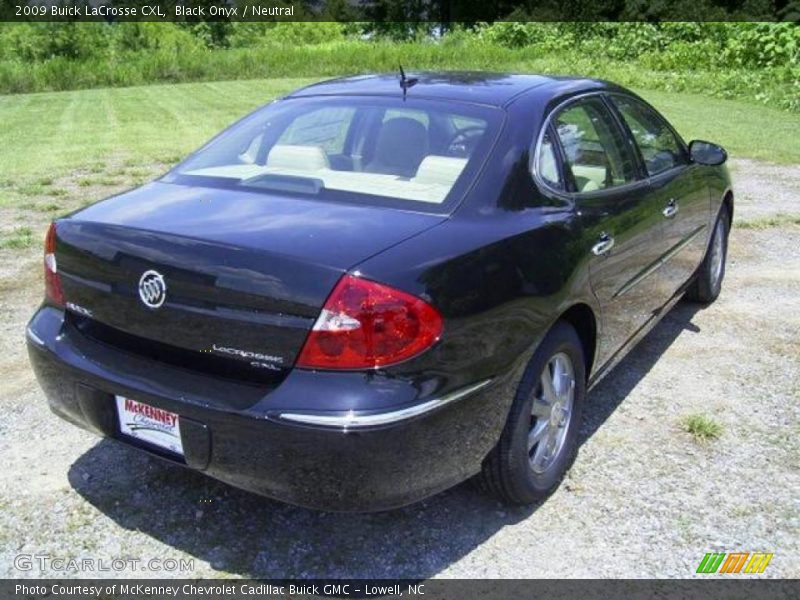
581,317
727,202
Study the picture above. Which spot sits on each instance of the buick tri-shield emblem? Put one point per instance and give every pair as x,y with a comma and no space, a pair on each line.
152,289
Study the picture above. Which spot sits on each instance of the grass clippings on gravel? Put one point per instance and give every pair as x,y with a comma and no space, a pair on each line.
701,427
779,220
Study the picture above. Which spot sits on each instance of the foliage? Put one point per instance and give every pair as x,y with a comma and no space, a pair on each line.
754,45
758,61
40,41
764,45
253,34
516,34
138,37
35,42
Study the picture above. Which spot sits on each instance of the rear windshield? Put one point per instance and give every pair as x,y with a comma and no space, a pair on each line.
414,153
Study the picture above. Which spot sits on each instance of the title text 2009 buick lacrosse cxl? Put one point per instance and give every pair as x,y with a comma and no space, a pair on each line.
365,293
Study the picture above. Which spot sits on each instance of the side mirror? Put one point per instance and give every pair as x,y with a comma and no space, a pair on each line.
707,153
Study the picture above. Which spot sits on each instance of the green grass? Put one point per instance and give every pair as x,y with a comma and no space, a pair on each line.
701,427
21,237
52,133
114,131
779,220
48,207
745,130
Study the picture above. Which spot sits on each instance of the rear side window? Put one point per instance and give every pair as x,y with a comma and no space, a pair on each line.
547,166
596,154
658,145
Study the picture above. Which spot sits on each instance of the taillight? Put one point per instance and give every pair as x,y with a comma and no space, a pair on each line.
366,324
52,281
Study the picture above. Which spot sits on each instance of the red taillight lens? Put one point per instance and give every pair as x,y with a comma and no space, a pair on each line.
366,324
52,282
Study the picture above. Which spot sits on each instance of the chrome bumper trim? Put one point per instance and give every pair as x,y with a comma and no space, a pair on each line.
352,420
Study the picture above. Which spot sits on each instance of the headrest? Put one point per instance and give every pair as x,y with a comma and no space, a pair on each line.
439,169
402,142
297,158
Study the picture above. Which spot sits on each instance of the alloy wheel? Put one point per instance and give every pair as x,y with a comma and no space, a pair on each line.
717,252
551,412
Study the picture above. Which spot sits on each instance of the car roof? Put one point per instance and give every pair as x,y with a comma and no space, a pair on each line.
496,89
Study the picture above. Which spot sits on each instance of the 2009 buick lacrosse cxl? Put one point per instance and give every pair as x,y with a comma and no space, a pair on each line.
365,292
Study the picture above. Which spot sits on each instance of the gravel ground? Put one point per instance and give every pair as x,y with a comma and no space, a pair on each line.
644,498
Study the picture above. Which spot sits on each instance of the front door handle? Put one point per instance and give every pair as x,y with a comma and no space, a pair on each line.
671,209
605,244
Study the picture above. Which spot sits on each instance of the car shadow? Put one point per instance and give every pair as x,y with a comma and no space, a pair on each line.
607,395
249,535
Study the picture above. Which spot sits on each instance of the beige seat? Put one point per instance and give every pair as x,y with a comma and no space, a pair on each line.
589,178
585,184
297,158
441,170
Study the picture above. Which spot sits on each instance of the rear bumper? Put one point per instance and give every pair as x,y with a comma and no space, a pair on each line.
341,460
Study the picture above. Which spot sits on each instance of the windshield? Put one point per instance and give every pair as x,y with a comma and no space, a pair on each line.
413,153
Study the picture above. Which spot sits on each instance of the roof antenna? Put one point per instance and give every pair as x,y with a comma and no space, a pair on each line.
406,82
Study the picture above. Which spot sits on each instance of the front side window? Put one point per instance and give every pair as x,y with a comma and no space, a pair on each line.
369,150
596,154
658,145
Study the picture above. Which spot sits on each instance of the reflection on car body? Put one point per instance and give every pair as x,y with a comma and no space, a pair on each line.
365,293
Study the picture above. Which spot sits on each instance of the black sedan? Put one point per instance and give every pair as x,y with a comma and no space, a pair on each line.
364,293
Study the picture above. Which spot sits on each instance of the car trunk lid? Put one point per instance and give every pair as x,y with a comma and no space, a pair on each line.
244,274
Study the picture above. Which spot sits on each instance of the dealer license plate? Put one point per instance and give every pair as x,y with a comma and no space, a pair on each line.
149,424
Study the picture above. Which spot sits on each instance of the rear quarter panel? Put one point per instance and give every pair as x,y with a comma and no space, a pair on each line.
501,270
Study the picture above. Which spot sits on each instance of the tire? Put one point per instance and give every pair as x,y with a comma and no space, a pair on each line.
511,471
707,283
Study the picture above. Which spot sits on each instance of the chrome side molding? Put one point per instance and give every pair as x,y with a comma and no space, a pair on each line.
352,420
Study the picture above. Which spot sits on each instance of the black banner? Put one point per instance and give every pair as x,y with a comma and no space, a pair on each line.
397,11
737,587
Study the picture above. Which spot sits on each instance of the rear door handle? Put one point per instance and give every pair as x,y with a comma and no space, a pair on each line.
605,244
671,209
